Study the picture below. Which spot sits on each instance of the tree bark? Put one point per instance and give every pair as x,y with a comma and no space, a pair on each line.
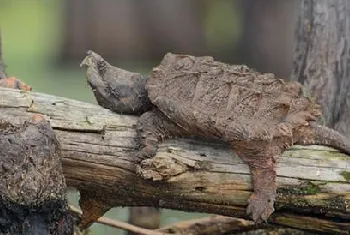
210,225
321,57
2,65
192,175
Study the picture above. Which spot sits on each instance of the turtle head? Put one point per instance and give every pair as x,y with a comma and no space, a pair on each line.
92,59
116,89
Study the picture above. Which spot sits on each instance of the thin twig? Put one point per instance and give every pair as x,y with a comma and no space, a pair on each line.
129,227
119,224
207,225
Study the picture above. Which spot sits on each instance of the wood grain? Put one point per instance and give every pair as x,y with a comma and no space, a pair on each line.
192,175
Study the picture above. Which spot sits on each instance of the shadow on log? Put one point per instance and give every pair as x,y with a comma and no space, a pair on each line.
192,175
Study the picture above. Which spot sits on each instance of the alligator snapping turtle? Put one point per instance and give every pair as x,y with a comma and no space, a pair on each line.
257,114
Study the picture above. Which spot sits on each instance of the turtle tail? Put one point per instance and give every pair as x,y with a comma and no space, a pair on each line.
322,135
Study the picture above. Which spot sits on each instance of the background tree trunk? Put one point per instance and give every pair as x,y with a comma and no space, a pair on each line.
267,37
131,30
321,59
2,65
144,217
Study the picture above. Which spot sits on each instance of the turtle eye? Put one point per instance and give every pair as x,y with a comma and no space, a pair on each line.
101,66
185,63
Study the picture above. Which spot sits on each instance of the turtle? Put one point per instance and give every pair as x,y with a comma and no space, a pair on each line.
257,114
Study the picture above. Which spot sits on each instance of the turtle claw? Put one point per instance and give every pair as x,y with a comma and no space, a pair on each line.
260,207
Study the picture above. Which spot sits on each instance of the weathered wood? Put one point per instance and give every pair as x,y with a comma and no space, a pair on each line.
210,225
226,225
189,175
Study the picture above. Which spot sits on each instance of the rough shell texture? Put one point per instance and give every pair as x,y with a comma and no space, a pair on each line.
231,102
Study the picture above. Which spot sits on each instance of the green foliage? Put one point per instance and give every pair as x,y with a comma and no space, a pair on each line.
31,34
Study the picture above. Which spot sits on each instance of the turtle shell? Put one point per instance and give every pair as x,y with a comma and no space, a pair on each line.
229,102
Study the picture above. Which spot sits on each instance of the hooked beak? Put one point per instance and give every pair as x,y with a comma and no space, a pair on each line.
83,63
85,60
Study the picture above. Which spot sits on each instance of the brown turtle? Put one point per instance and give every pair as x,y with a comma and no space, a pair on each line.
258,114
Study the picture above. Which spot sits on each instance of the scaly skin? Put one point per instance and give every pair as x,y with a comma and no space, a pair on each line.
116,89
322,135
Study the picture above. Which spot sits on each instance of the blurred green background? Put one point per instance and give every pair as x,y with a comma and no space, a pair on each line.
44,41
31,39
31,34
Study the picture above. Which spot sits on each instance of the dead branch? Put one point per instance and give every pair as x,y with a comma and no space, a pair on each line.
210,225
192,175
128,227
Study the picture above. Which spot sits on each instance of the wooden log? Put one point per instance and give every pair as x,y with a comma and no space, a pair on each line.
192,175
225,225
209,225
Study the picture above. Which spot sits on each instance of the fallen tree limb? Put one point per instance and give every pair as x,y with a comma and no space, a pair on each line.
192,175
225,225
210,225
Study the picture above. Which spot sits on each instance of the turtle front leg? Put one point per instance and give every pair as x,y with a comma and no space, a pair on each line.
263,173
154,127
